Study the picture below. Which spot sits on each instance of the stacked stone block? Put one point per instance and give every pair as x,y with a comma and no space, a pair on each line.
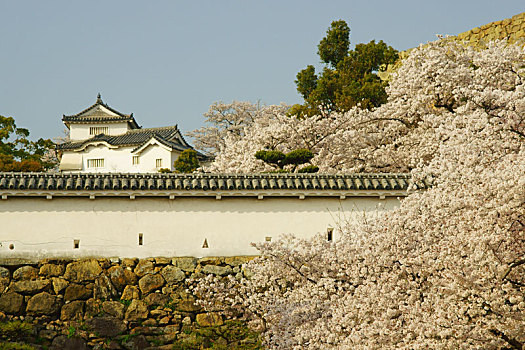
100,300
510,29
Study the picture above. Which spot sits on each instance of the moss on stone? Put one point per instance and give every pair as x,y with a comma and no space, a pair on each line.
233,334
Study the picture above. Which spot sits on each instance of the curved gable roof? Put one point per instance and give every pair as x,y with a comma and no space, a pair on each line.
100,112
169,136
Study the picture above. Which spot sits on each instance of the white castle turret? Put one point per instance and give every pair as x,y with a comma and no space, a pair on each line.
103,139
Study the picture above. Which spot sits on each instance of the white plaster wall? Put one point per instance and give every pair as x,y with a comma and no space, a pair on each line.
81,131
148,158
115,159
121,159
107,227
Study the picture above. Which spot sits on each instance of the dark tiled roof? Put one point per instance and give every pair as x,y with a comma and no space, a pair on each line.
134,137
203,182
169,136
78,118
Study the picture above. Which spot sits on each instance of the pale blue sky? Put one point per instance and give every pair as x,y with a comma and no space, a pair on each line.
167,61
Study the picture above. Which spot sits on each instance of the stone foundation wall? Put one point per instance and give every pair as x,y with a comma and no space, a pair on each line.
510,29
117,304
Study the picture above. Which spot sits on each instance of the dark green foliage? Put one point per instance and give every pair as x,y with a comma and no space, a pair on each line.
280,160
126,302
14,330
71,332
334,46
17,153
298,156
231,335
350,77
15,346
306,81
13,335
309,169
126,337
271,157
187,162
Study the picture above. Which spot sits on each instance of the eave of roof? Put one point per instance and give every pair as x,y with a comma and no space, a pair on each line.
136,137
77,118
204,184
170,145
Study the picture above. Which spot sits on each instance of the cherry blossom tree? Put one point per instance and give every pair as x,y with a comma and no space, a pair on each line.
398,135
444,270
283,133
230,120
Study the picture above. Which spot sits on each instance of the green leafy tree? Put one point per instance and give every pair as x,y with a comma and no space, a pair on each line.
293,159
334,46
349,77
306,81
18,153
187,162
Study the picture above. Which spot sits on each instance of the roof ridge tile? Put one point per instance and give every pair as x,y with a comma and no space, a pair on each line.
205,181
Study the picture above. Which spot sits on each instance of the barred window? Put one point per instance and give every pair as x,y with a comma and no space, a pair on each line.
96,130
135,160
158,163
95,163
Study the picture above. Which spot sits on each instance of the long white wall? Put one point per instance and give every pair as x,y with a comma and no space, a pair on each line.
39,228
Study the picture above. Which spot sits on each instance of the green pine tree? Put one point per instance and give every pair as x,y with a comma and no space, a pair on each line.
349,77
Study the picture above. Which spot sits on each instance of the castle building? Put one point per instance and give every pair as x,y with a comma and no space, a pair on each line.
104,140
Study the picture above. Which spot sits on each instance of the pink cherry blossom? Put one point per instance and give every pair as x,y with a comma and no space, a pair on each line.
446,270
